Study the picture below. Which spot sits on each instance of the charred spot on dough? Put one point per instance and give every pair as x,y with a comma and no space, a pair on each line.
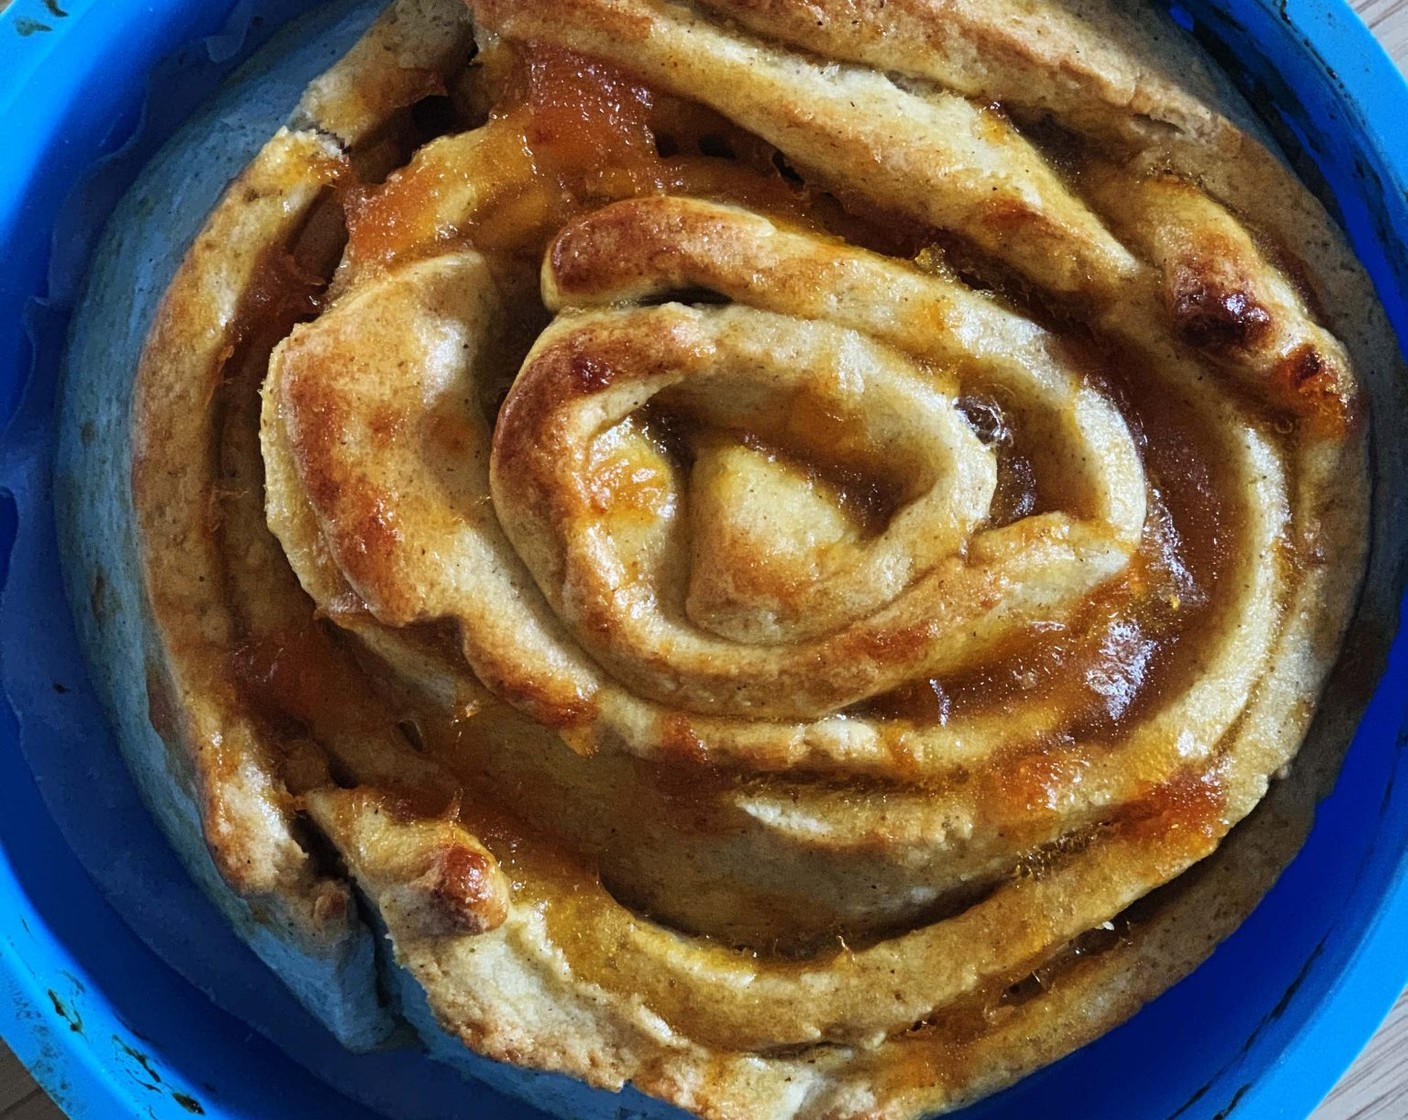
1210,315
1311,379
461,890
1304,369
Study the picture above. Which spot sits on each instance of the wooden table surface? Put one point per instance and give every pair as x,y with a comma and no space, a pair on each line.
1376,1088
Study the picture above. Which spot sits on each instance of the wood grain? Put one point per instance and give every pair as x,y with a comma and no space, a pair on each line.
1389,21
16,1086
1376,1088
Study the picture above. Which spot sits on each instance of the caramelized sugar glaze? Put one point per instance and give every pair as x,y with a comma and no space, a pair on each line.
757,535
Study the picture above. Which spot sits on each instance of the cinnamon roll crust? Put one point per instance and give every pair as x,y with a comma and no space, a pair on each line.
791,544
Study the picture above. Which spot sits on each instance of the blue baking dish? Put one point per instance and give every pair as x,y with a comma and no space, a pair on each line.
98,921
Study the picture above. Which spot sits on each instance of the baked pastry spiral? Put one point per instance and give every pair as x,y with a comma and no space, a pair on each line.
756,531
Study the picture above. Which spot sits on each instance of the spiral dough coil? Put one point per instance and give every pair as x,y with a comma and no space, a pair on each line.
780,524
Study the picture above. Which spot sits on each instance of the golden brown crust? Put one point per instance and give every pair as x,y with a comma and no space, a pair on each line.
405,56
427,875
175,473
745,701
1040,58
217,591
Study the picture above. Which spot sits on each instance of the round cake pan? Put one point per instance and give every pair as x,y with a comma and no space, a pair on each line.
124,992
